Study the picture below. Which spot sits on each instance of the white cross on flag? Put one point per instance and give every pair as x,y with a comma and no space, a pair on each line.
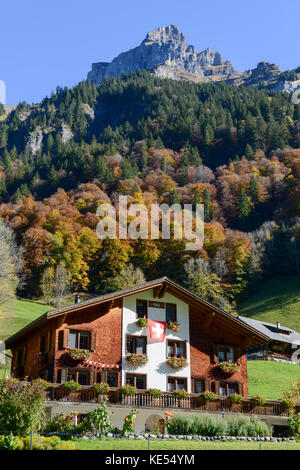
157,330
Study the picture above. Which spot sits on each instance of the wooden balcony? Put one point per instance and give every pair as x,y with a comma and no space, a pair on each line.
167,401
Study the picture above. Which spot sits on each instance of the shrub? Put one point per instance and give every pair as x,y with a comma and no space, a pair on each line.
61,423
258,400
128,390
142,322
289,403
208,396
99,418
177,362
42,383
101,389
71,386
11,442
235,398
22,406
129,422
137,359
215,426
181,394
154,392
79,354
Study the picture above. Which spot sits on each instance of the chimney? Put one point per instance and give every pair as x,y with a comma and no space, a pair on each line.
77,299
278,325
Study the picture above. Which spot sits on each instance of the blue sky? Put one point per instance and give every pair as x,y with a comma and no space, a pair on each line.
49,43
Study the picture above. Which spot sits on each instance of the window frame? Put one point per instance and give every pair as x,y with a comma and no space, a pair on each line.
134,381
77,372
145,302
173,305
134,337
235,385
172,377
205,383
104,373
225,347
176,341
78,333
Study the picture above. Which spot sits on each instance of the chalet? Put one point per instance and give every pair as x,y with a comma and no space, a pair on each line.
283,345
106,331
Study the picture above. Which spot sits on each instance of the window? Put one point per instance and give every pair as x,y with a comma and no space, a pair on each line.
225,354
175,383
176,349
171,312
199,385
228,388
111,378
80,376
45,342
137,381
79,339
141,309
136,345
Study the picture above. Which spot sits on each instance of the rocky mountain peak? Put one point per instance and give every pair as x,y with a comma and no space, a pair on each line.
164,49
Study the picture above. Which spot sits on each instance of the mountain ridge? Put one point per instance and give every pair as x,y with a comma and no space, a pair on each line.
165,53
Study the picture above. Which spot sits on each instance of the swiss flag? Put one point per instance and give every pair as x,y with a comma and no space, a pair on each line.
157,330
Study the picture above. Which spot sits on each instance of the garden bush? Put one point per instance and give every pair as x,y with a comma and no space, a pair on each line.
214,426
10,442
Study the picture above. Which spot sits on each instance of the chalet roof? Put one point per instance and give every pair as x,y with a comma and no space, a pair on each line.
162,283
282,334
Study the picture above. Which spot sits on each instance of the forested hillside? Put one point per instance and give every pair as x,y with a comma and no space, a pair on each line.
237,150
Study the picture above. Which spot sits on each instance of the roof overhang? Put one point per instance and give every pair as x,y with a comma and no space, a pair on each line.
159,286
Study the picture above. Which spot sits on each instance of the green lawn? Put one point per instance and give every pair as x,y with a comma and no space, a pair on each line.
277,300
18,313
135,444
271,379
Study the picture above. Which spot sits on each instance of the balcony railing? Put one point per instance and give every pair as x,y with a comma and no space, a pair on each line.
168,400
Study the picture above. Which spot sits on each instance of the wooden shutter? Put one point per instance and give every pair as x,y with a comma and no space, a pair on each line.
240,388
93,341
217,387
25,355
215,356
63,339
64,375
48,345
237,354
207,385
92,377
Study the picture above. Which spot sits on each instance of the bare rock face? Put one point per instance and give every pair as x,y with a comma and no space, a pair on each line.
34,142
166,46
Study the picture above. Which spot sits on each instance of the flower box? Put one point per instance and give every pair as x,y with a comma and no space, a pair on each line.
142,322
101,389
71,386
182,394
154,392
137,360
79,355
173,325
177,362
128,390
229,367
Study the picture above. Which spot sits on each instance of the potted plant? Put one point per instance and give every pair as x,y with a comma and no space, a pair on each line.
173,325
155,393
137,360
142,322
289,404
209,398
71,388
40,359
177,362
258,400
128,394
182,396
101,390
229,367
78,355
235,400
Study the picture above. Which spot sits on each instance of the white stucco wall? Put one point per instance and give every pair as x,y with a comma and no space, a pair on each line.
156,369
